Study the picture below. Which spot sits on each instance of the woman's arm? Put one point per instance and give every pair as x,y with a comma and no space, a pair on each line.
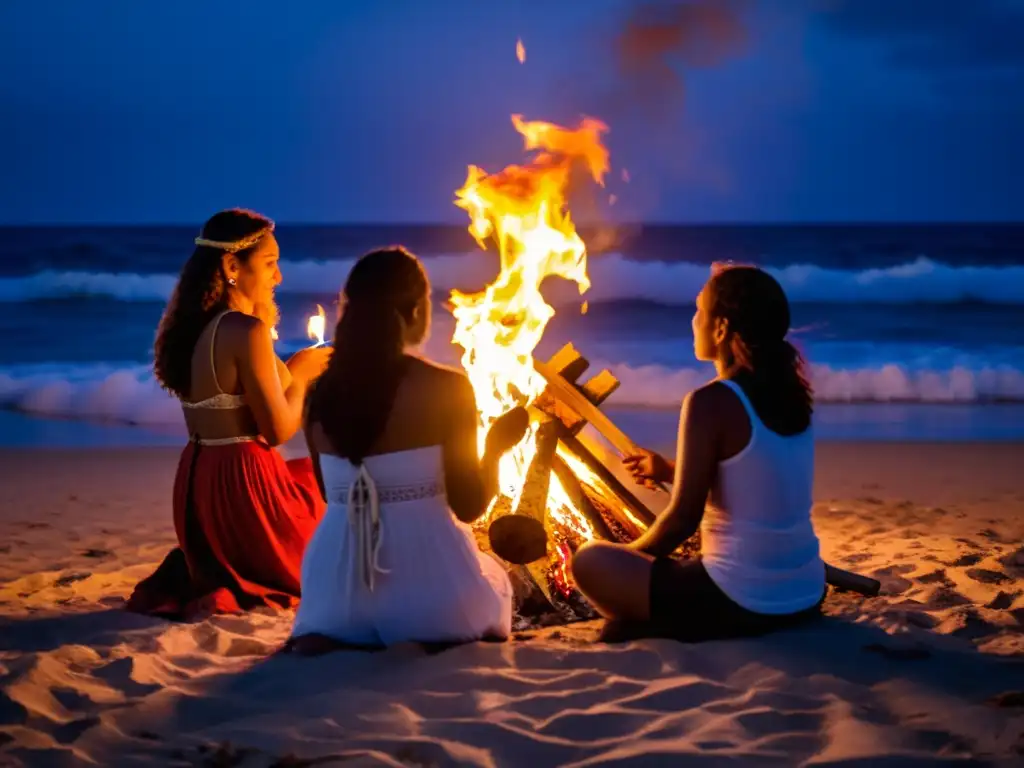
277,410
695,467
472,482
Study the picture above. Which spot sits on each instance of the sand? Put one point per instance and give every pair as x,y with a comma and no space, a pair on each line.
930,672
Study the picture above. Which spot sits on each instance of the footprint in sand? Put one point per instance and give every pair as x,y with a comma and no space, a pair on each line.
920,619
945,597
11,711
860,557
70,578
935,577
1002,601
965,560
985,576
892,579
69,732
1014,559
97,553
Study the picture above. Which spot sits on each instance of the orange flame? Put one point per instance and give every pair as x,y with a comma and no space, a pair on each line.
520,51
316,326
523,210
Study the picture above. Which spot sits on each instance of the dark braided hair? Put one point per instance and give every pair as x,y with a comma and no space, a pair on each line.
199,296
353,398
771,371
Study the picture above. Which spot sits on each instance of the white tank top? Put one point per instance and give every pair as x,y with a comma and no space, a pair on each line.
757,541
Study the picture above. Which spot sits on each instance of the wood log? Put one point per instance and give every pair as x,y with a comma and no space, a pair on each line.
568,363
573,489
600,387
596,390
852,582
525,537
537,480
639,510
569,395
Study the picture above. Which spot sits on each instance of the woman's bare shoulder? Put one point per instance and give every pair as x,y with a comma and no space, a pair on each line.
431,369
712,403
445,382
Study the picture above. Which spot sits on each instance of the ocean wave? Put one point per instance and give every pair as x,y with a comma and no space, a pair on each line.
613,277
128,394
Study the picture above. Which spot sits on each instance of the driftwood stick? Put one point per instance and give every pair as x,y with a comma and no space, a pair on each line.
852,582
569,395
568,363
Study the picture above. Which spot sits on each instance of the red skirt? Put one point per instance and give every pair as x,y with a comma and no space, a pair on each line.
243,516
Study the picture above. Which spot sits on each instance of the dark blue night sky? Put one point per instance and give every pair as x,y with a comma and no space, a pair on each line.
347,110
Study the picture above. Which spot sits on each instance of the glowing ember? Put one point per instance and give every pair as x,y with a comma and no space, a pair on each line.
316,326
523,210
520,51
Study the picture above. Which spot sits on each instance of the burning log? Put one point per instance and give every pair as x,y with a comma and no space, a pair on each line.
580,500
523,211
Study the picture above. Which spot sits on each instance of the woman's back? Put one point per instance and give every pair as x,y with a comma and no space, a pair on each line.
389,561
758,543
394,438
216,409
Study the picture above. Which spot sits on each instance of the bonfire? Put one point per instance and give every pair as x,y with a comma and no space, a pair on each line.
551,476
522,212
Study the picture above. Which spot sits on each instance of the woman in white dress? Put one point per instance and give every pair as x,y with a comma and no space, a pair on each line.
393,439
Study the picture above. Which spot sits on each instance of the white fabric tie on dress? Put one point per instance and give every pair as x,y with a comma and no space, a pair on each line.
367,529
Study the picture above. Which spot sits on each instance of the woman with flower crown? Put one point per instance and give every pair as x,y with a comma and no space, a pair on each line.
242,514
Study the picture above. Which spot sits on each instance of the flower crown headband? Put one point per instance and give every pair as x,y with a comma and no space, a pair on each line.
237,245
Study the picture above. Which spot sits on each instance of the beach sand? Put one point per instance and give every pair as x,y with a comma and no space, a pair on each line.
930,672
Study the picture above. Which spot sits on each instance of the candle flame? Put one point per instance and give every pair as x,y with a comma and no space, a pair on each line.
520,51
316,326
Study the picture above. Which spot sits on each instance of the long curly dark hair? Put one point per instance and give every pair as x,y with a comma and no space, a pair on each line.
352,399
199,296
757,311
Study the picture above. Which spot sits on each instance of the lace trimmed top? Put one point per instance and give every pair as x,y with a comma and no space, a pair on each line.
389,562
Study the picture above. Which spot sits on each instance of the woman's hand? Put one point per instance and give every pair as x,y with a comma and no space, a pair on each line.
307,364
506,431
648,468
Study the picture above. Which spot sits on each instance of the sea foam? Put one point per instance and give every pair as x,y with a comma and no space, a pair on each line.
613,278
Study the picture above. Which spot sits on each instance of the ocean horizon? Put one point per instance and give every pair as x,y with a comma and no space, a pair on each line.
912,331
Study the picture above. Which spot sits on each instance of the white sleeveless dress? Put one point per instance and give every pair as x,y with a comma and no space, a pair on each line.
389,562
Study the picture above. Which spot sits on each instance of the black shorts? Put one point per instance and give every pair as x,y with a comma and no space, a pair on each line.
687,605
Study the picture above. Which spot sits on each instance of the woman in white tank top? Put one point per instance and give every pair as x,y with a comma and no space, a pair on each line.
743,476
